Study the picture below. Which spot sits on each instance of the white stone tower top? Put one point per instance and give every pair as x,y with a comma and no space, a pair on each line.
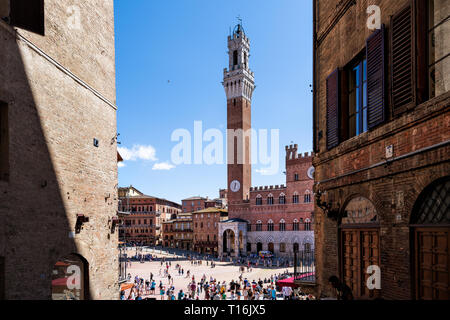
238,79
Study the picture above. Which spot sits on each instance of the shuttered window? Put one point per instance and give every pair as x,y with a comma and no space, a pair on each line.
28,15
375,53
402,60
333,110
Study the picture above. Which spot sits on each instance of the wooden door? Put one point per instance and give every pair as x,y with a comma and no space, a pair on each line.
360,249
351,259
432,260
369,256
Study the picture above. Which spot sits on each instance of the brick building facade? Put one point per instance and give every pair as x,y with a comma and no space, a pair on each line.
206,226
273,218
381,140
178,232
58,156
142,224
199,203
193,204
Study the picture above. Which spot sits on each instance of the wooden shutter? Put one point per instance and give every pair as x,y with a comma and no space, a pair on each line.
28,15
403,60
333,110
375,53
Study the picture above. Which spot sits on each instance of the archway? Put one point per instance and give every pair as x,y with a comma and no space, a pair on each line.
70,278
259,247
228,241
270,247
241,242
296,246
430,245
359,237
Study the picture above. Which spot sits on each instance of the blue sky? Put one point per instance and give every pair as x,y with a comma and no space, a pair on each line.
170,56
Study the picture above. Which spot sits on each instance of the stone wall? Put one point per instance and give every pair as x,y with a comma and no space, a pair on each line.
60,91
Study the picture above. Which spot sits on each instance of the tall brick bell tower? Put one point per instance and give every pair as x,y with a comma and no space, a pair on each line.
239,85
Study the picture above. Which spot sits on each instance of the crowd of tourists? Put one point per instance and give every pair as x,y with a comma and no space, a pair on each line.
210,288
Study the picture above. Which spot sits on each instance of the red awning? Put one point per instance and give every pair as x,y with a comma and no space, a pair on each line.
289,282
59,282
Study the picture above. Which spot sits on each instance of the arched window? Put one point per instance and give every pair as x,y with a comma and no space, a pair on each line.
307,247
235,57
282,199
282,225
295,225
270,199
70,278
307,225
295,198
270,225
258,225
307,197
258,200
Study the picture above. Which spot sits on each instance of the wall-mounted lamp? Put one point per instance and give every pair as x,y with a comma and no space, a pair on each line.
81,218
327,207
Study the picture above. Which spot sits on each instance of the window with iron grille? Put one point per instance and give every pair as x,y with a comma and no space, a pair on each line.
434,205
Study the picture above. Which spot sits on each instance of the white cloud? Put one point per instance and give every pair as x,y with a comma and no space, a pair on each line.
121,164
163,166
138,152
